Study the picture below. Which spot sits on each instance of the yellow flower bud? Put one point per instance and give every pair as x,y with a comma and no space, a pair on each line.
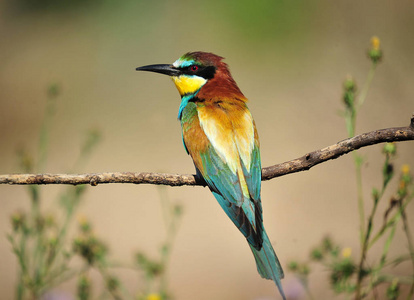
153,296
346,252
375,43
405,169
375,52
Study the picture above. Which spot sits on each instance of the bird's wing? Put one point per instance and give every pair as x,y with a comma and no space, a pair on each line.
253,173
224,150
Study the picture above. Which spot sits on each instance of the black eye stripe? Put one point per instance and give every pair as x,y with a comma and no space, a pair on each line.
206,72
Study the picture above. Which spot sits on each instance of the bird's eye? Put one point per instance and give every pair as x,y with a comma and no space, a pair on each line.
194,68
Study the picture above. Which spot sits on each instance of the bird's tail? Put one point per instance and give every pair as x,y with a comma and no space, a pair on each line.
268,264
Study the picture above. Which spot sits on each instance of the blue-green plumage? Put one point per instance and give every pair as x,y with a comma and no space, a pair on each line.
268,264
244,210
246,213
219,134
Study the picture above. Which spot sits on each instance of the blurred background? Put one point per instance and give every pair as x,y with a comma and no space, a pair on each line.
290,58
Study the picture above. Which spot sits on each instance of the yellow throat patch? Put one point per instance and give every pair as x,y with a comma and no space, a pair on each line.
188,84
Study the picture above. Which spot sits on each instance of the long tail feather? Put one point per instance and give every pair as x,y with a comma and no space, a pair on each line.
268,264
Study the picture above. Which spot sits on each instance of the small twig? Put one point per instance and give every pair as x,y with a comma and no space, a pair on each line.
297,165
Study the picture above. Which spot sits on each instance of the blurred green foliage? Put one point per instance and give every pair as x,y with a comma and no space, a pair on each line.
262,22
51,5
268,20
44,250
360,278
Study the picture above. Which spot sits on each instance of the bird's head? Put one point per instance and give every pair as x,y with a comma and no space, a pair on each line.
192,71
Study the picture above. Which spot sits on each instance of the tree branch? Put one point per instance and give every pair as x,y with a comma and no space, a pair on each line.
300,164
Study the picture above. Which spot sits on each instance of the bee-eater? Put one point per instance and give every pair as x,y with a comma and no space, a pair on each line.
220,135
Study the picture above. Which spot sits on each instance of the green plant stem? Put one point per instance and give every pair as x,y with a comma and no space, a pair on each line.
170,220
350,120
396,261
410,247
73,200
360,193
37,263
351,126
44,132
375,274
388,244
165,258
118,292
390,278
365,88
20,288
389,223
36,259
20,251
62,275
385,278
70,200
165,207
357,159
365,246
383,261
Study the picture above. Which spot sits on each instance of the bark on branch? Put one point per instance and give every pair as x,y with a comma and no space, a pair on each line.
300,164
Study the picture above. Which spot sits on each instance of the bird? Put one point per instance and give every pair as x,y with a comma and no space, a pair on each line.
220,135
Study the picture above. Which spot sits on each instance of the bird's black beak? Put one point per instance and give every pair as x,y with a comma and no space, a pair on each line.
163,69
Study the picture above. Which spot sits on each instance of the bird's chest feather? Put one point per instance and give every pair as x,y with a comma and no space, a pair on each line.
226,127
